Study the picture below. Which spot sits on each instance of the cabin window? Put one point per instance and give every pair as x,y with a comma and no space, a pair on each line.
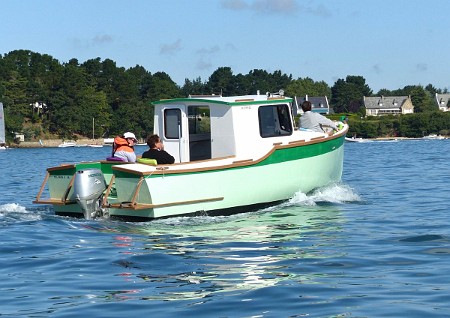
172,123
274,120
199,120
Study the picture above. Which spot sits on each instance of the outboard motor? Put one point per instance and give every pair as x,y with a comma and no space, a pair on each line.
88,188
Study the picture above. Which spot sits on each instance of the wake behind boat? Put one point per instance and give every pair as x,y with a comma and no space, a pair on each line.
233,154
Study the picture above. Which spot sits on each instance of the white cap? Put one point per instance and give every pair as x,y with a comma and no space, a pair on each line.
129,135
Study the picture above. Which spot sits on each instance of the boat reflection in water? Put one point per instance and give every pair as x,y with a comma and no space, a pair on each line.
236,253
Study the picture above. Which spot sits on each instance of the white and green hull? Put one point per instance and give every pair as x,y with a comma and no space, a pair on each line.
145,192
232,154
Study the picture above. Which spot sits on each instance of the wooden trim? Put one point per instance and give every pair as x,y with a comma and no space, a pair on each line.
62,201
297,142
54,202
62,166
141,206
38,197
66,193
108,190
242,161
244,100
136,191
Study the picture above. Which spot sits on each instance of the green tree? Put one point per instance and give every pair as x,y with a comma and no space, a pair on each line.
221,82
421,99
194,87
307,86
162,86
347,95
93,105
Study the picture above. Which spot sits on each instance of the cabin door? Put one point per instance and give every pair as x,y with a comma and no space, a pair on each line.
199,132
176,134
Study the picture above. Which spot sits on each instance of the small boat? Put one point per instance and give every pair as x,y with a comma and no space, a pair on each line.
66,144
2,128
232,155
354,139
434,136
95,146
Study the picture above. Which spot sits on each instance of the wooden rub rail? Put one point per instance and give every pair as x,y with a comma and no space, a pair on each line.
141,206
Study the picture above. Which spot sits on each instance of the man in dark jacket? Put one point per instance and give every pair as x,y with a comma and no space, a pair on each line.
156,151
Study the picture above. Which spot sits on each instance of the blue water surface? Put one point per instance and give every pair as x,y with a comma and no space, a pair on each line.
375,245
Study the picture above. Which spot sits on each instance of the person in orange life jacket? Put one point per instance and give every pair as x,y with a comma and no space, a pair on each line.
156,151
123,147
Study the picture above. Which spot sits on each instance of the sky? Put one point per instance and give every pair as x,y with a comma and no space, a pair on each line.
391,43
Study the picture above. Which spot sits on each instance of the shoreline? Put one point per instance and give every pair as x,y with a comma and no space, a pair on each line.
54,143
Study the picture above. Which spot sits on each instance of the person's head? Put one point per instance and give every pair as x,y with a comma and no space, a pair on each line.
153,141
130,137
306,106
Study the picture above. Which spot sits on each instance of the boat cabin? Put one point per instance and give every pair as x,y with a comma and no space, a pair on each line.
208,127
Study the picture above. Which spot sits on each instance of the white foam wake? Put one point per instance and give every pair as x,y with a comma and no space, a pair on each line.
12,207
333,193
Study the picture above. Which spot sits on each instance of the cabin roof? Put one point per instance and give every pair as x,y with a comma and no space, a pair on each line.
230,101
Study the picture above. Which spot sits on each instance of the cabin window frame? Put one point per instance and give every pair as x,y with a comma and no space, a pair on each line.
275,120
171,130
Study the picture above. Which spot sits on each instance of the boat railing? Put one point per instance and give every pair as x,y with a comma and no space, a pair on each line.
62,201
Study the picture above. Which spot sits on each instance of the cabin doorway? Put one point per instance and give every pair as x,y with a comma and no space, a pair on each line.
199,122
187,132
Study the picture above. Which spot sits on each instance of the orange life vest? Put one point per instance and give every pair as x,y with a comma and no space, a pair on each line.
121,144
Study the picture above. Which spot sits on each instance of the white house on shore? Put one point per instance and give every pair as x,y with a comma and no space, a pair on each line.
319,104
442,101
388,105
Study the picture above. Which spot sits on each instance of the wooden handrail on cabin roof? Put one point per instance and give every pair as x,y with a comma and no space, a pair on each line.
202,96
244,100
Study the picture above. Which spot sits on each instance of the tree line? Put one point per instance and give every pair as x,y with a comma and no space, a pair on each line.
44,98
